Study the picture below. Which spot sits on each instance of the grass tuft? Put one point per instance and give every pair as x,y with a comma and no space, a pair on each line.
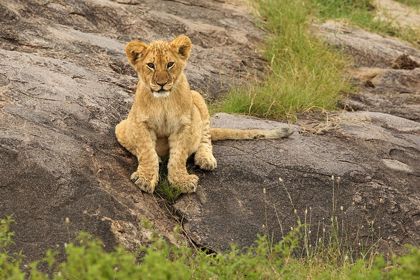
305,74
362,13
164,188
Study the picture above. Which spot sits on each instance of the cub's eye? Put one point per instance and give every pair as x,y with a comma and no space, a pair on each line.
170,64
151,65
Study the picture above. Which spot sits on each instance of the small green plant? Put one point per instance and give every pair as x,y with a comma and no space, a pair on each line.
407,267
9,263
164,188
167,191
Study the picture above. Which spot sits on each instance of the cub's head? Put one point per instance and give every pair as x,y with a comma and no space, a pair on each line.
160,63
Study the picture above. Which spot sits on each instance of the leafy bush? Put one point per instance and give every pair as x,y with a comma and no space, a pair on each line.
406,267
86,259
9,263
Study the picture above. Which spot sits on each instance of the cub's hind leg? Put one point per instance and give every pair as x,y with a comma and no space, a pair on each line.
204,155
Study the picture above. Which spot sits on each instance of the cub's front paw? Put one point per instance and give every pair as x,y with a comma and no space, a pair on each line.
205,162
186,183
145,183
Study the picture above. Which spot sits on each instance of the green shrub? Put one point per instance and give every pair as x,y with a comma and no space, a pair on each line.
86,259
406,267
9,263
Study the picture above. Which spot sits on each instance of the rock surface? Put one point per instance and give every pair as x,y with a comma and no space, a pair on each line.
376,155
65,83
397,13
383,88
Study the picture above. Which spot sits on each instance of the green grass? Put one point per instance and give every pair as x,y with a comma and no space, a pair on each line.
10,264
305,74
362,13
412,3
164,188
86,259
355,11
167,191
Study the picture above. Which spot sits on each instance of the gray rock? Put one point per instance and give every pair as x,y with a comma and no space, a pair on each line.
65,83
386,70
59,158
367,49
384,120
397,165
373,176
95,33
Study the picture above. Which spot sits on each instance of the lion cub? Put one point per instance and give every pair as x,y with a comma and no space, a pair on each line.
168,118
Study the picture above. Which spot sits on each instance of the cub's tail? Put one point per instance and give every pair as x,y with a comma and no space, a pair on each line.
244,134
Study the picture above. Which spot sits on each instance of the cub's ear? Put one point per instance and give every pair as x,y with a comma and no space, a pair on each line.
135,50
182,46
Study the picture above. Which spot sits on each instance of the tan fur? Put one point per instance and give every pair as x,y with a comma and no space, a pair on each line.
168,118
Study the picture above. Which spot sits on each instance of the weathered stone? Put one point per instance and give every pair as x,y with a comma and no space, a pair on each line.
397,165
397,13
384,120
367,49
95,33
59,158
65,83
382,89
246,194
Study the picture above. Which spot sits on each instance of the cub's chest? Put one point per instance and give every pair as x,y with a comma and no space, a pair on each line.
166,123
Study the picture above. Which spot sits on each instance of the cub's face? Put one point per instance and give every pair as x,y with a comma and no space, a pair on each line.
160,63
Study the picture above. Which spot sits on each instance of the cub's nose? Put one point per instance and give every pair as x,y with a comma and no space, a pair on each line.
161,84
